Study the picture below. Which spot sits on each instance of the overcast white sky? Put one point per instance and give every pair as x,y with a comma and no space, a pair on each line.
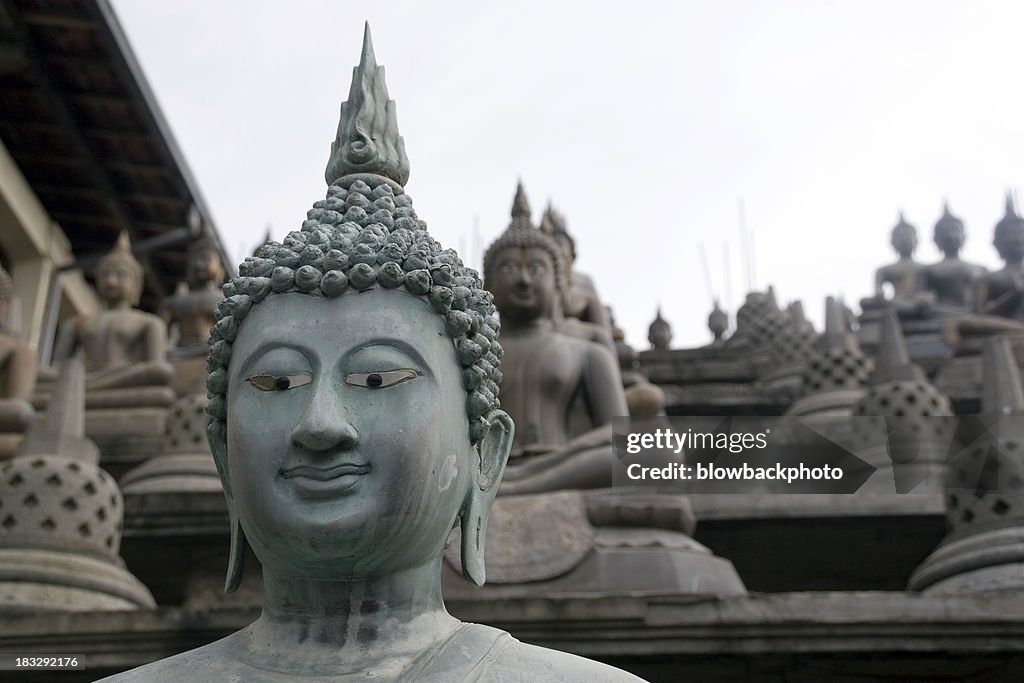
644,122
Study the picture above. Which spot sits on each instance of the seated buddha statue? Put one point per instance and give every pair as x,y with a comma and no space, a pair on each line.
189,312
1001,293
562,391
903,275
659,333
124,348
568,299
581,300
354,419
189,315
17,373
952,280
904,278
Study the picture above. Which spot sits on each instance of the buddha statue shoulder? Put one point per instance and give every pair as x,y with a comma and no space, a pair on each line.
355,422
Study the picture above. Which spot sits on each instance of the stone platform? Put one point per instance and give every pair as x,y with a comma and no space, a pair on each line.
852,637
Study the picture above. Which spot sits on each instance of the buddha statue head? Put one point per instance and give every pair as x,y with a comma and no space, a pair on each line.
949,233
1009,236
553,223
904,238
353,385
525,268
204,267
119,277
659,333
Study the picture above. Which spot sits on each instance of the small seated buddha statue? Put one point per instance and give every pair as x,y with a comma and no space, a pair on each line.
189,313
659,333
952,280
354,419
1001,293
562,391
17,376
905,274
124,348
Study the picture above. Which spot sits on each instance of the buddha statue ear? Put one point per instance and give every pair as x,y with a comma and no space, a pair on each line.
493,451
236,556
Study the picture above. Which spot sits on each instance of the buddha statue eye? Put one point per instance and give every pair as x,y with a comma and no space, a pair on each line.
379,380
280,382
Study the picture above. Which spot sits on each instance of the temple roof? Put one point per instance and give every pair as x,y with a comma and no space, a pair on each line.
81,122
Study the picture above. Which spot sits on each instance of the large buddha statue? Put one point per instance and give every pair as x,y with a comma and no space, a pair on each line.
123,346
951,280
1002,292
17,375
562,391
354,419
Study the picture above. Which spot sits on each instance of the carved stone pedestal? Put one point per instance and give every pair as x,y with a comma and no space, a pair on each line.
603,542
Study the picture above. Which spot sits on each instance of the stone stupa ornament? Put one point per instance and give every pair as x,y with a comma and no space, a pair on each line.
893,420
718,323
837,371
984,547
61,515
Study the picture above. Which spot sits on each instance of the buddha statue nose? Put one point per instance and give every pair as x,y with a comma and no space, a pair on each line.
324,426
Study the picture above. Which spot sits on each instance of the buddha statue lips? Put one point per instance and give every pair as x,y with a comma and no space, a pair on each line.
325,482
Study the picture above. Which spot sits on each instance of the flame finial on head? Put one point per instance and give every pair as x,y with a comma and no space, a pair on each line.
368,141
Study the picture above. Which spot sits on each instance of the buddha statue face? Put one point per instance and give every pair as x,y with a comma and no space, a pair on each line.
347,436
204,266
949,237
568,248
524,282
1009,240
119,281
904,240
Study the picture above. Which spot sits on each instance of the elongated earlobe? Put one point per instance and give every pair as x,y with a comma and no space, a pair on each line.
236,559
474,528
493,451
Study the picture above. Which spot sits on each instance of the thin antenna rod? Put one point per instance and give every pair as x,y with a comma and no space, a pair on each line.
477,257
745,244
727,269
752,244
707,272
